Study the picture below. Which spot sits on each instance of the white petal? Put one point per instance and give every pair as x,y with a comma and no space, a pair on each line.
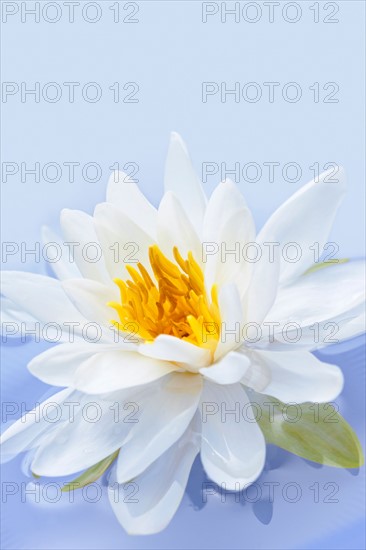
123,193
95,430
255,378
228,226
233,447
123,241
158,491
28,431
352,328
320,335
321,295
91,299
176,229
231,314
169,348
293,337
78,229
162,419
40,296
57,366
263,288
65,266
228,370
181,178
13,313
305,218
298,376
114,370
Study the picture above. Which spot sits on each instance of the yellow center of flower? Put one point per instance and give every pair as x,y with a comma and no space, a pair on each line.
176,303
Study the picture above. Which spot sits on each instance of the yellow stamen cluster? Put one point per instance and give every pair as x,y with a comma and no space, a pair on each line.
176,303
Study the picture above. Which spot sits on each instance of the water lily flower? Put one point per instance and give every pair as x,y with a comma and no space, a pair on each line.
181,289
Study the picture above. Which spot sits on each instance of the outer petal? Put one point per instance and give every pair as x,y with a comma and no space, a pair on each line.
95,431
305,218
263,287
181,178
159,489
311,337
78,229
163,418
114,370
65,266
228,370
321,295
233,447
91,298
228,226
354,327
123,193
169,348
57,366
231,313
13,313
122,240
39,296
32,427
298,376
176,229
319,335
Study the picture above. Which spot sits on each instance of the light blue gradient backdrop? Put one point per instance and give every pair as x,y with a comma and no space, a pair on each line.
169,53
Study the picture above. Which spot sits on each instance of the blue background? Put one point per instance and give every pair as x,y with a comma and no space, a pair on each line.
169,53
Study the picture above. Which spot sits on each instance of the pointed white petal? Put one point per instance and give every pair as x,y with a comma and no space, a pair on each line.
298,376
353,327
162,419
176,229
228,370
228,228
320,335
255,378
181,178
113,370
293,337
169,348
64,265
158,490
233,447
40,296
95,430
32,427
123,241
57,366
321,295
123,193
91,299
263,287
78,230
13,313
305,218
231,313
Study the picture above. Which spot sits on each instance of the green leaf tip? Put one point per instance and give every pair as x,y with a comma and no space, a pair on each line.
91,474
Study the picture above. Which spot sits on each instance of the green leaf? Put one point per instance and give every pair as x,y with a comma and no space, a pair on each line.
36,476
91,475
322,265
314,431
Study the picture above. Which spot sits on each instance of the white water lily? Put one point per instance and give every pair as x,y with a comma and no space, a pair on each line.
176,358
